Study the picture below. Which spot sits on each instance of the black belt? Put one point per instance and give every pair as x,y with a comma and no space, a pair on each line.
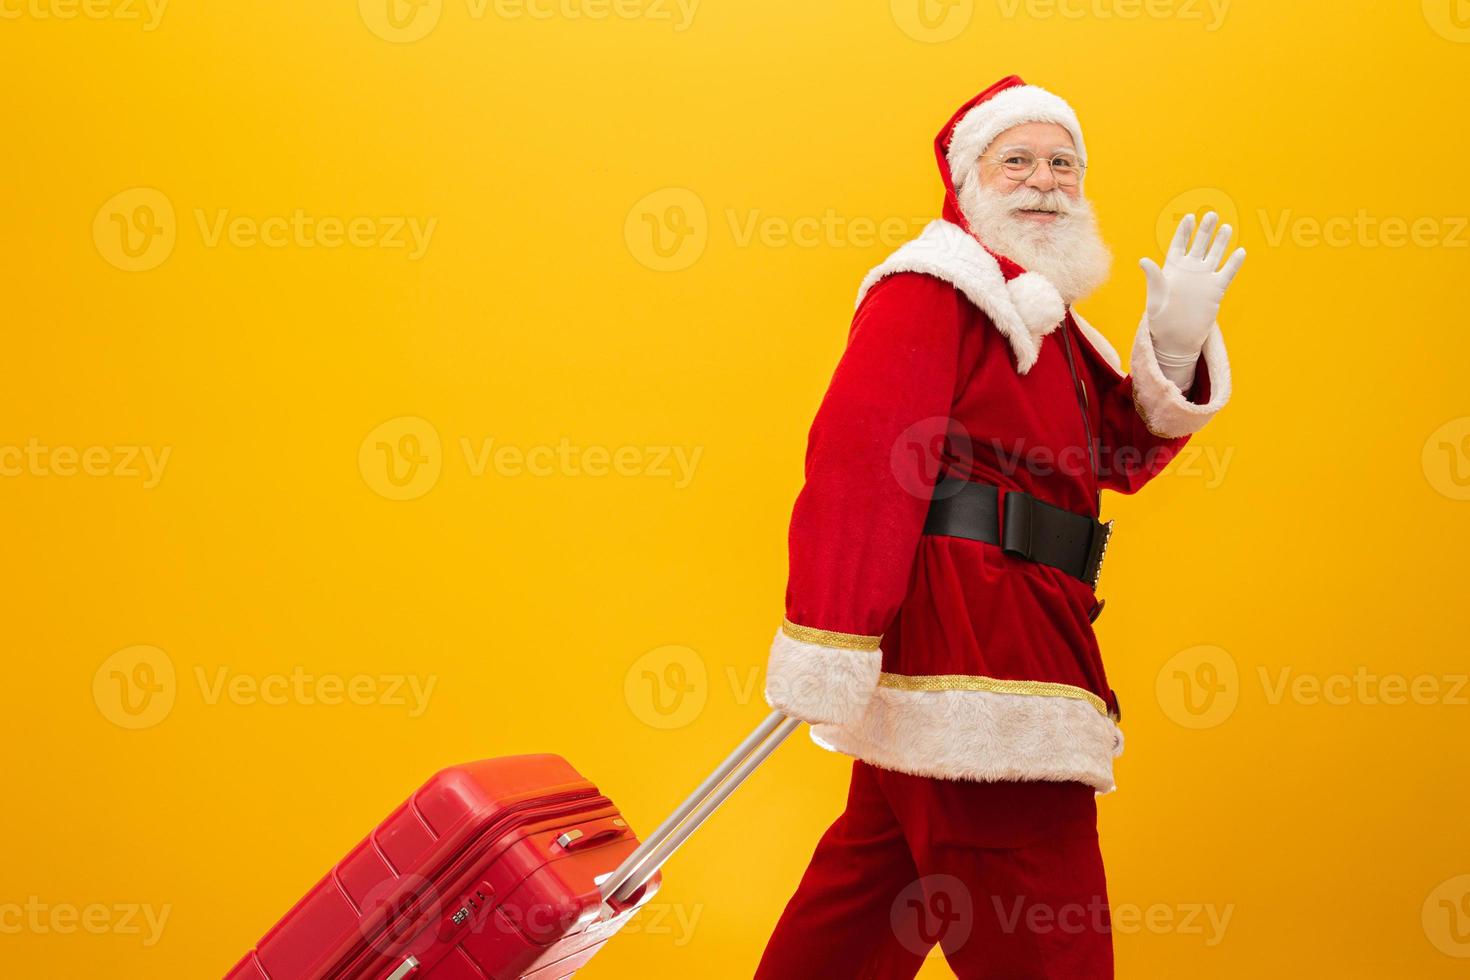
1033,529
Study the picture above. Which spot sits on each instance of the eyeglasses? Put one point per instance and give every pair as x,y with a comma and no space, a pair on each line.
1019,165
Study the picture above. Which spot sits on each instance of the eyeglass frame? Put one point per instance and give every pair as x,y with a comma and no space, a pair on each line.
1081,166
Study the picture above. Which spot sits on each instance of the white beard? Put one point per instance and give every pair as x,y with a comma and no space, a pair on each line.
1068,252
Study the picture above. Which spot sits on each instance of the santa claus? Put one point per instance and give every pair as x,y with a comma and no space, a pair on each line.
944,555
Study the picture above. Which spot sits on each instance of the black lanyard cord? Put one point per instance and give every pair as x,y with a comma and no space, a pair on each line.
1082,404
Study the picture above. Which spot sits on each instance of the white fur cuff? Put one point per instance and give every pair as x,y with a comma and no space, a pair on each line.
981,735
819,683
1161,404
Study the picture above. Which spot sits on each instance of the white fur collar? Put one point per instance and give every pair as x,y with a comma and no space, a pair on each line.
1024,309
1099,343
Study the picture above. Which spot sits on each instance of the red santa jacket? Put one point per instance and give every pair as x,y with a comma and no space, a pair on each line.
944,656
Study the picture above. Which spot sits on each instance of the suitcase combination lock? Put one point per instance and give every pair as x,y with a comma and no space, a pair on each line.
472,904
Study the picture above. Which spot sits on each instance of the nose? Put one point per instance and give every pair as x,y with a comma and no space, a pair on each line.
1042,178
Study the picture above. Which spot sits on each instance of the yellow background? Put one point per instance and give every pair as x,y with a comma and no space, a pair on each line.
1332,537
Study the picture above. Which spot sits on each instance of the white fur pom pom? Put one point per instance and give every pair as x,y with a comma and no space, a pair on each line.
1037,301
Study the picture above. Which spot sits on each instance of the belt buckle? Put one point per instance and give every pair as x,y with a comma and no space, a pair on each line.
1098,552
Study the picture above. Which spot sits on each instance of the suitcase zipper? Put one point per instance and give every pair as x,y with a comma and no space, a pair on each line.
456,865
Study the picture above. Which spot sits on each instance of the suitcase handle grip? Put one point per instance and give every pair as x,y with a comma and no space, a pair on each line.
575,840
404,969
644,862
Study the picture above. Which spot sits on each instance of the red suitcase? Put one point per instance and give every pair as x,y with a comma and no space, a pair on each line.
505,869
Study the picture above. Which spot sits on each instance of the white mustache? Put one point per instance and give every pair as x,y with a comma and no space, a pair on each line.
1066,250
1031,199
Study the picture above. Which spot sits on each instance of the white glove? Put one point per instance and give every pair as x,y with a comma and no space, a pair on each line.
1184,296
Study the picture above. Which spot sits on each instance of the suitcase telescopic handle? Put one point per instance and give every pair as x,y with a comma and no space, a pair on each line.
634,872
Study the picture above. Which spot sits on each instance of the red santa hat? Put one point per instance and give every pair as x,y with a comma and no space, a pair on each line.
1009,102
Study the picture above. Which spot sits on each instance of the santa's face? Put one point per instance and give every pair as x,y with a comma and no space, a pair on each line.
1050,148
1039,219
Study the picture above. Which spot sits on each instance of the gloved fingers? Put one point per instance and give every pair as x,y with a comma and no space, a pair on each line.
1232,266
1217,250
1158,290
1181,238
1202,240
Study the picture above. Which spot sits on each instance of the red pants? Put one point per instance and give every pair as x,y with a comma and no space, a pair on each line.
1006,877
